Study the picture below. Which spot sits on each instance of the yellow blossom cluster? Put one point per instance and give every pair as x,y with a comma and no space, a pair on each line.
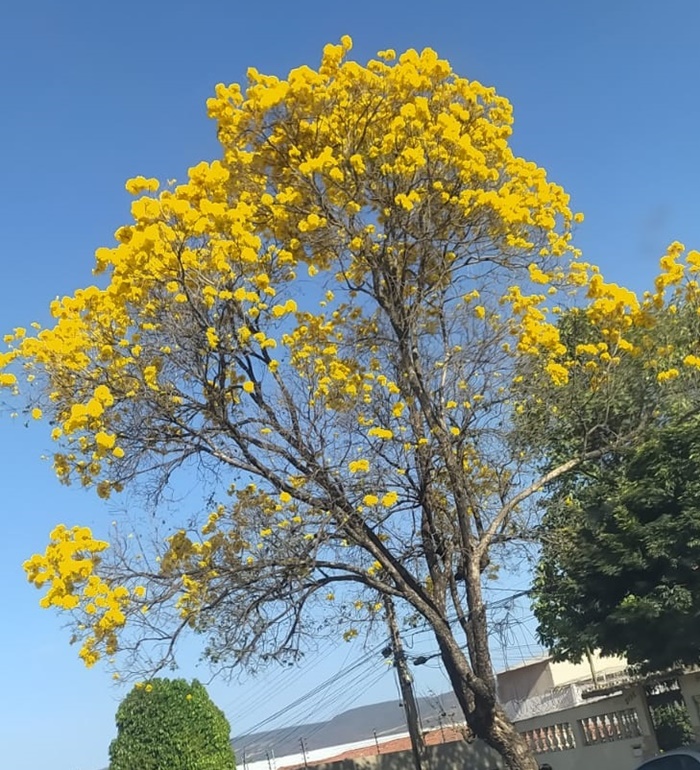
313,167
68,571
613,313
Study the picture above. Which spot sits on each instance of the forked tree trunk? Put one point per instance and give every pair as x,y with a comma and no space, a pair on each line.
483,714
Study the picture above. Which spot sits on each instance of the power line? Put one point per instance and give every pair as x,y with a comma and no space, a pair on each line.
334,679
312,701
350,692
342,704
285,676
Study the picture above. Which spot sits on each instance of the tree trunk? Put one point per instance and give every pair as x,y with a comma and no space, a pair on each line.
500,733
483,713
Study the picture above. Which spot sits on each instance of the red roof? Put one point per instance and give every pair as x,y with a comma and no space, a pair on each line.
431,738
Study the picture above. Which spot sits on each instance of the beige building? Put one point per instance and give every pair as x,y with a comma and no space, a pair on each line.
542,675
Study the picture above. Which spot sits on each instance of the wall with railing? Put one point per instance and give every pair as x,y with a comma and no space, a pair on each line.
606,733
613,732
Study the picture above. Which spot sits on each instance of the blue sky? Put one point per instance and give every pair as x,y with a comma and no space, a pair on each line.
605,97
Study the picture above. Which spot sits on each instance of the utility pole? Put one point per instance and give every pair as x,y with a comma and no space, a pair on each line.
591,665
406,685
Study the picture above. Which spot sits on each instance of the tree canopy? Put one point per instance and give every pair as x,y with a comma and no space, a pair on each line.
336,326
170,724
619,567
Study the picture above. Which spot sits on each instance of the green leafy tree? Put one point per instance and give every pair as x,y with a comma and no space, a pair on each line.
672,726
170,724
620,555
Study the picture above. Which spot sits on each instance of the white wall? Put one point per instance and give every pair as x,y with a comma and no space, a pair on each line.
564,672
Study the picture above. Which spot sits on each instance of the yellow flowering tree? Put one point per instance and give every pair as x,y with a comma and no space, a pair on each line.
336,325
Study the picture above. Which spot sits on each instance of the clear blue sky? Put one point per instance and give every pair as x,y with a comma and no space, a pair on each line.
605,96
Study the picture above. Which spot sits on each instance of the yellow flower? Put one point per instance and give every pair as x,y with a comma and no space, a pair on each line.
389,499
669,374
105,440
141,184
558,373
212,338
382,433
358,466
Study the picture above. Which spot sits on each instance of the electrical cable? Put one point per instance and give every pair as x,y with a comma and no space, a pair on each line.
335,678
286,677
295,711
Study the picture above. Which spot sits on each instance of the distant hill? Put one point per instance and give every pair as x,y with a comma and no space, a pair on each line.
350,726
